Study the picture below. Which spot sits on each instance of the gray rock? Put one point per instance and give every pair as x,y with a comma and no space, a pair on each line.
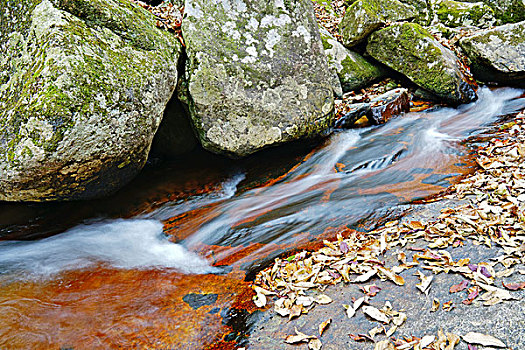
83,86
365,16
353,70
256,72
498,54
410,49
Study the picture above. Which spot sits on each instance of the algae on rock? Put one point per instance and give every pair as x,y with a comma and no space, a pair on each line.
498,54
365,16
409,49
256,73
83,88
462,14
353,70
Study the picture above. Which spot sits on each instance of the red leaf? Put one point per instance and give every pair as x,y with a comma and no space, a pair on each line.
514,286
459,287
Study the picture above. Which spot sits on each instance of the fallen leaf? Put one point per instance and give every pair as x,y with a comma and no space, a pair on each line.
449,305
453,340
323,326
365,277
424,285
360,337
483,339
323,299
384,345
295,311
375,314
435,305
315,344
298,337
376,330
459,287
514,286
426,341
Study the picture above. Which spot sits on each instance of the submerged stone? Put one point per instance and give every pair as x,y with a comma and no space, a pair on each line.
410,49
462,14
353,70
365,16
83,86
498,54
257,74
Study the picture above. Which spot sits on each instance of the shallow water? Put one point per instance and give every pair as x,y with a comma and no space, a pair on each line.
162,263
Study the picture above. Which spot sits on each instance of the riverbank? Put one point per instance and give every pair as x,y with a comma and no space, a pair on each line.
450,267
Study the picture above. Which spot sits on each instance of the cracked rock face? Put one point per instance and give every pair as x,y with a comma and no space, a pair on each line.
256,73
82,91
409,49
498,54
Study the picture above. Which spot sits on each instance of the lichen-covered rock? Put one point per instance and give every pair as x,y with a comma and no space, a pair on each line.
256,73
365,16
498,54
410,49
424,9
83,85
463,14
506,11
353,70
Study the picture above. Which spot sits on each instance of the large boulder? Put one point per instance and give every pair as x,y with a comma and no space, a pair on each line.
364,16
353,70
83,85
507,11
409,49
498,54
463,14
256,73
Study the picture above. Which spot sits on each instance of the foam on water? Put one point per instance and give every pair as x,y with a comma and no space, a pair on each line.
125,244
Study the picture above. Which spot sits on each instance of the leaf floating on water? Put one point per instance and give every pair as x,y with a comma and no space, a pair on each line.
315,344
459,287
483,339
299,337
376,314
323,326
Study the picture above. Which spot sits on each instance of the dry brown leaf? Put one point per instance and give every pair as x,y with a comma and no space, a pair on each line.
323,299
376,314
459,287
298,337
424,285
295,311
426,341
483,339
365,277
384,345
435,305
314,344
323,326
453,340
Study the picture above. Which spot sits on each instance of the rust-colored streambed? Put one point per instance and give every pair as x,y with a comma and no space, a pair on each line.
166,262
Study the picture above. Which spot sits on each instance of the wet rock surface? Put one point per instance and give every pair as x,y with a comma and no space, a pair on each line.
498,54
83,88
410,49
257,74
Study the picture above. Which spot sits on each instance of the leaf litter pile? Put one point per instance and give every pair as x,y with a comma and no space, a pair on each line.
494,215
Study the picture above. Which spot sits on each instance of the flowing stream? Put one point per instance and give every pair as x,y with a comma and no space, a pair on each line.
159,264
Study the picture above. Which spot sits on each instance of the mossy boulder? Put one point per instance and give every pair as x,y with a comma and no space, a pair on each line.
506,11
410,49
498,54
424,9
353,70
365,16
83,85
256,74
455,14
